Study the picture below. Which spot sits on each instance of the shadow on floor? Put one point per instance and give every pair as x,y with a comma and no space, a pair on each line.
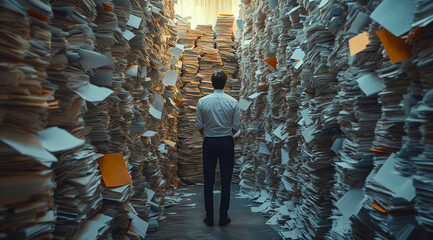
187,222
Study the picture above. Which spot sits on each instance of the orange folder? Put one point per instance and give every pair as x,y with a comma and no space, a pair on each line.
113,170
272,61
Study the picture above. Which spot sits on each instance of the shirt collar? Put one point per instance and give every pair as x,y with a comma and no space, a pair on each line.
218,91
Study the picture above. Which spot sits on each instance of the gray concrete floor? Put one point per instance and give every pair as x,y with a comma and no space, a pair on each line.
187,223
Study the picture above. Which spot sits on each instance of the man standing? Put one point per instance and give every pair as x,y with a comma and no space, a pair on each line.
217,118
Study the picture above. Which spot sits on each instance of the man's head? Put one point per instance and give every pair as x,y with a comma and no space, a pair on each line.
219,79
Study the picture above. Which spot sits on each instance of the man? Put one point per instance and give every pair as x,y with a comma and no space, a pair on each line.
217,118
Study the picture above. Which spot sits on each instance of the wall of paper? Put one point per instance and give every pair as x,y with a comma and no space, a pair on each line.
88,120
336,125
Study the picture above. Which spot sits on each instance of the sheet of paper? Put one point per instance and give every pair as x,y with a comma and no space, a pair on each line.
175,52
284,156
336,146
149,134
255,95
306,115
351,202
55,139
287,185
273,3
395,47
358,43
243,60
90,228
139,226
93,93
272,61
113,170
262,208
268,137
359,22
273,220
102,79
128,35
370,84
388,177
280,132
299,64
157,101
134,21
244,104
307,133
27,145
298,54
264,149
169,143
90,59
240,23
395,15
170,77
155,112
132,71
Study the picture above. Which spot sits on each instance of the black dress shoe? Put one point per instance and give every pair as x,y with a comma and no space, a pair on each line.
208,221
225,221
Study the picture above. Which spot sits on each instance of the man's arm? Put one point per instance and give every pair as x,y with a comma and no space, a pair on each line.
199,120
236,122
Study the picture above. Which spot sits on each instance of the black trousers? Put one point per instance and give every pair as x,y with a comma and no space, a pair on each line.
215,148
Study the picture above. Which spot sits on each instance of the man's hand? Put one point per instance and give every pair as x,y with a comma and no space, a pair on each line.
201,131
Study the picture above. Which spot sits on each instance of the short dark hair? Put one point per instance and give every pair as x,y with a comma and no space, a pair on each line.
219,79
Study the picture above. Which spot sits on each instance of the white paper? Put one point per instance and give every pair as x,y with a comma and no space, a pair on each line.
306,115
273,3
90,228
255,95
132,71
149,134
102,79
280,132
395,15
150,193
358,23
244,104
169,143
175,52
388,177
370,84
323,3
170,77
264,195
284,156
262,208
27,145
157,102
298,54
93,93
128,35
299,64
273,220
287,185
134,21
243,60
55,139
351,202
143,71
268,137
240,23
139,226
336,146
190,205
91,59
307,133
264,149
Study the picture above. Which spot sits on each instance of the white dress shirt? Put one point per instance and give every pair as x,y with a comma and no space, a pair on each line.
217,113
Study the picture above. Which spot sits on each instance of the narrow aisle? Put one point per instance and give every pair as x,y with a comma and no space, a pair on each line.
186,223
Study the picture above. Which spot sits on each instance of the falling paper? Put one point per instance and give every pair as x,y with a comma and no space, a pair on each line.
55,139
134,21
139,226
395,15
170,77
27,145
395,47
113,170
132,71
128,35
358,43
244,104
370,84
93,93
91,59
298,54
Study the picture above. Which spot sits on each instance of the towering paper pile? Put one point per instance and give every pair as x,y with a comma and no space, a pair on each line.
335,112
90,76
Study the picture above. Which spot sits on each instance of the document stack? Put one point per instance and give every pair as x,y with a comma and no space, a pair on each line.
353,113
